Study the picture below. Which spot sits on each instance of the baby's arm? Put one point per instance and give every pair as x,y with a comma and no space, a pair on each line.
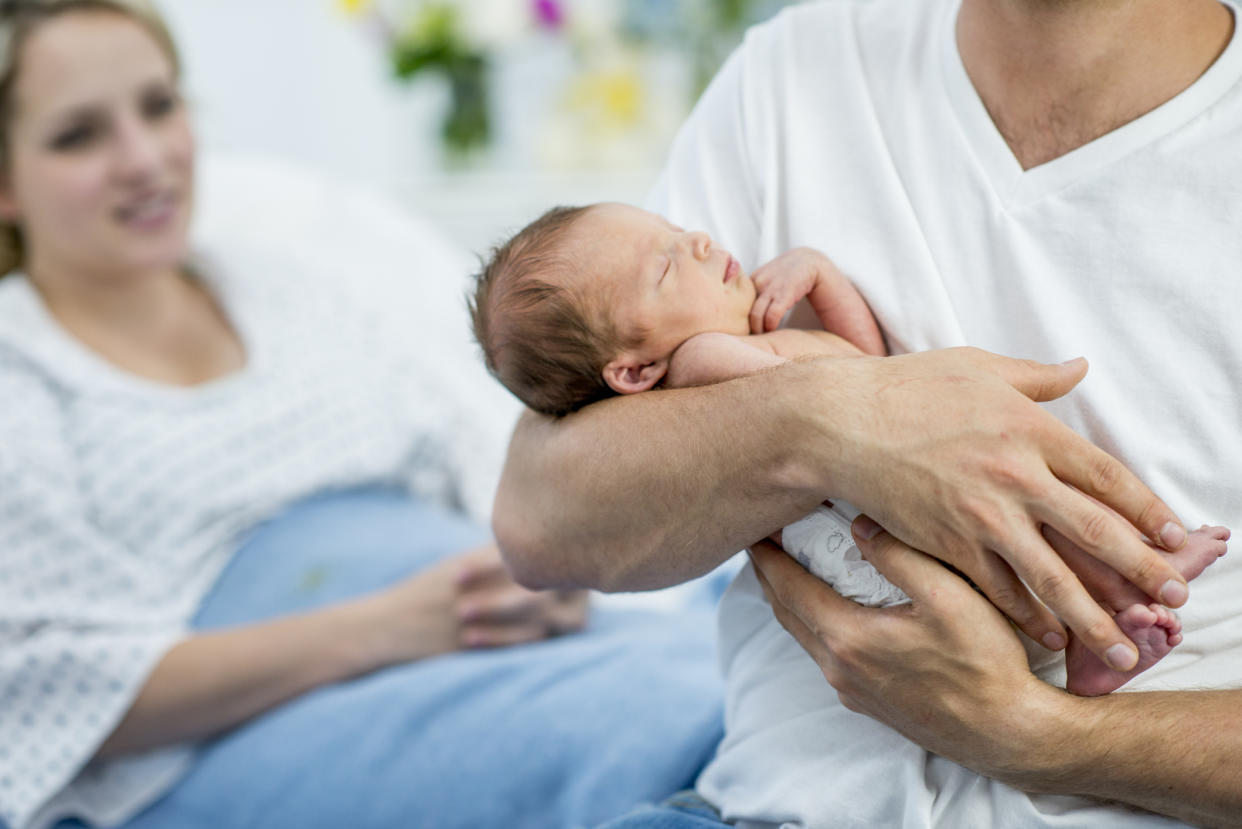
714,357
805,272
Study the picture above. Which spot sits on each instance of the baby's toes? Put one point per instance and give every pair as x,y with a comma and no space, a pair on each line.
1167,619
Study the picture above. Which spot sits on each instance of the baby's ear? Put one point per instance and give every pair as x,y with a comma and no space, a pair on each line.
629,375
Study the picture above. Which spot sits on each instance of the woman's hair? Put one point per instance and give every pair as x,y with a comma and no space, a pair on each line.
18,19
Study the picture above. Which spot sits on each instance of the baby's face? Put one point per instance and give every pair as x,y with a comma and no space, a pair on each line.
654,276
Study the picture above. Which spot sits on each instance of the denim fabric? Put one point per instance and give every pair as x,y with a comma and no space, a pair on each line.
568,732
684,810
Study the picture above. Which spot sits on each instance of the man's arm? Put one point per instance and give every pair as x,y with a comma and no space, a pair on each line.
945,448
948,673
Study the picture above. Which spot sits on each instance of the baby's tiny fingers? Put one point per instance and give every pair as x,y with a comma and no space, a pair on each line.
758,312
775,313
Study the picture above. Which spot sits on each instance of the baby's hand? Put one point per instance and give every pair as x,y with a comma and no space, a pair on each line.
782,282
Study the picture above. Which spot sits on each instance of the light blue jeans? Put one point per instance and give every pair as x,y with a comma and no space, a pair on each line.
684,810
564,733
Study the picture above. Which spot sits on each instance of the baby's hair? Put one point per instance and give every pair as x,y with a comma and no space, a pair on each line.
544,334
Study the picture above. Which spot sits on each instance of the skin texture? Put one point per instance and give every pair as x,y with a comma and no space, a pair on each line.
100,179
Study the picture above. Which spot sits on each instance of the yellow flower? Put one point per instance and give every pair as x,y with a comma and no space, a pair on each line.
609,100
354,6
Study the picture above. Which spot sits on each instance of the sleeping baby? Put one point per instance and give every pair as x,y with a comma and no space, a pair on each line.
589,302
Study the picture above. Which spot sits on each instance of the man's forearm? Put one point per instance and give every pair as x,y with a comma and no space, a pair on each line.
1173,753
650,490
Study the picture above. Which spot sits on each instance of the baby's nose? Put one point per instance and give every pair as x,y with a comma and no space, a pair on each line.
700,244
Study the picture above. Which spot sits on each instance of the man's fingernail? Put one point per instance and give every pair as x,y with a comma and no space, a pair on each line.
1120,658
1054,641
1072,362
865,528
1174,593
1172,536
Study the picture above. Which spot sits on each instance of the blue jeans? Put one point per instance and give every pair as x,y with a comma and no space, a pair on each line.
567,732
684,810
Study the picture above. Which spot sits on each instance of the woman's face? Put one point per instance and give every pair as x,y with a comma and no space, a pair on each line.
100,165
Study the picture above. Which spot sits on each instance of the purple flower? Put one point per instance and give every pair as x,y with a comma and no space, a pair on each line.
549,13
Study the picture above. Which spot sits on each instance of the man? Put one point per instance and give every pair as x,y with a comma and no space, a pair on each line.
1041,178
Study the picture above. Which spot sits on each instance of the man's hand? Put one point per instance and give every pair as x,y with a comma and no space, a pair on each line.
946,670
948,452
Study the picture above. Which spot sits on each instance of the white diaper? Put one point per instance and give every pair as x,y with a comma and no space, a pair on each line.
823,544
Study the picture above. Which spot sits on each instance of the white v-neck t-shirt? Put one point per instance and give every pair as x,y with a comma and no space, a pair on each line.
852,127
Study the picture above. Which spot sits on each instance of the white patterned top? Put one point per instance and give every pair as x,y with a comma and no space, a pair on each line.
121,500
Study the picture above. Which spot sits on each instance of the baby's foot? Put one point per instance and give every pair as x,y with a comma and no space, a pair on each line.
1108,587
1154,629
1203,546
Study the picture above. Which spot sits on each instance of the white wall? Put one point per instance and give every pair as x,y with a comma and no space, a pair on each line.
297,79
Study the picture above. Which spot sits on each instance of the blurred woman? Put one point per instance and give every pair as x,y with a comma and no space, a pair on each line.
160,401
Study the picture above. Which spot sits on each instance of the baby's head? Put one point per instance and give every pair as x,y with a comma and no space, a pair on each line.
586,302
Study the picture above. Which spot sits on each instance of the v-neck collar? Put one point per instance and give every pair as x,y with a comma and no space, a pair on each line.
1016,187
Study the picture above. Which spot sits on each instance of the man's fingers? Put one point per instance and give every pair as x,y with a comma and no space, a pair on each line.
926,581
1039,381
1092,470
918,575
1004,589
1105,584
1056,585
1101,534
804,595
771,560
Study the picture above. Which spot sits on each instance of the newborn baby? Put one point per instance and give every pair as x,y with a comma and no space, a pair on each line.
588,302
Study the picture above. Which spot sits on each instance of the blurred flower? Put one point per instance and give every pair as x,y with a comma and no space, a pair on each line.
354,6
607,100
611,104
549,13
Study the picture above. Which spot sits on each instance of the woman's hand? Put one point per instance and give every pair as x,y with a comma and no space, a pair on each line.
467,601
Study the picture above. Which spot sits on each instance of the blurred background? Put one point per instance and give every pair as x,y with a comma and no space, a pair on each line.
478,114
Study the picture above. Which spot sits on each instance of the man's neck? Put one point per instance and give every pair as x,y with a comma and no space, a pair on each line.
1057,74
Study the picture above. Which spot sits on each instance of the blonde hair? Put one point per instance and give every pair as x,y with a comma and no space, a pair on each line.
18,20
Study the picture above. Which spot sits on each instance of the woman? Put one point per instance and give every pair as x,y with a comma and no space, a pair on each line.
161,401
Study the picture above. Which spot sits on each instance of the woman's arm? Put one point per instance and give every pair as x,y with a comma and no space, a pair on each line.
945,448
947,672
214,681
